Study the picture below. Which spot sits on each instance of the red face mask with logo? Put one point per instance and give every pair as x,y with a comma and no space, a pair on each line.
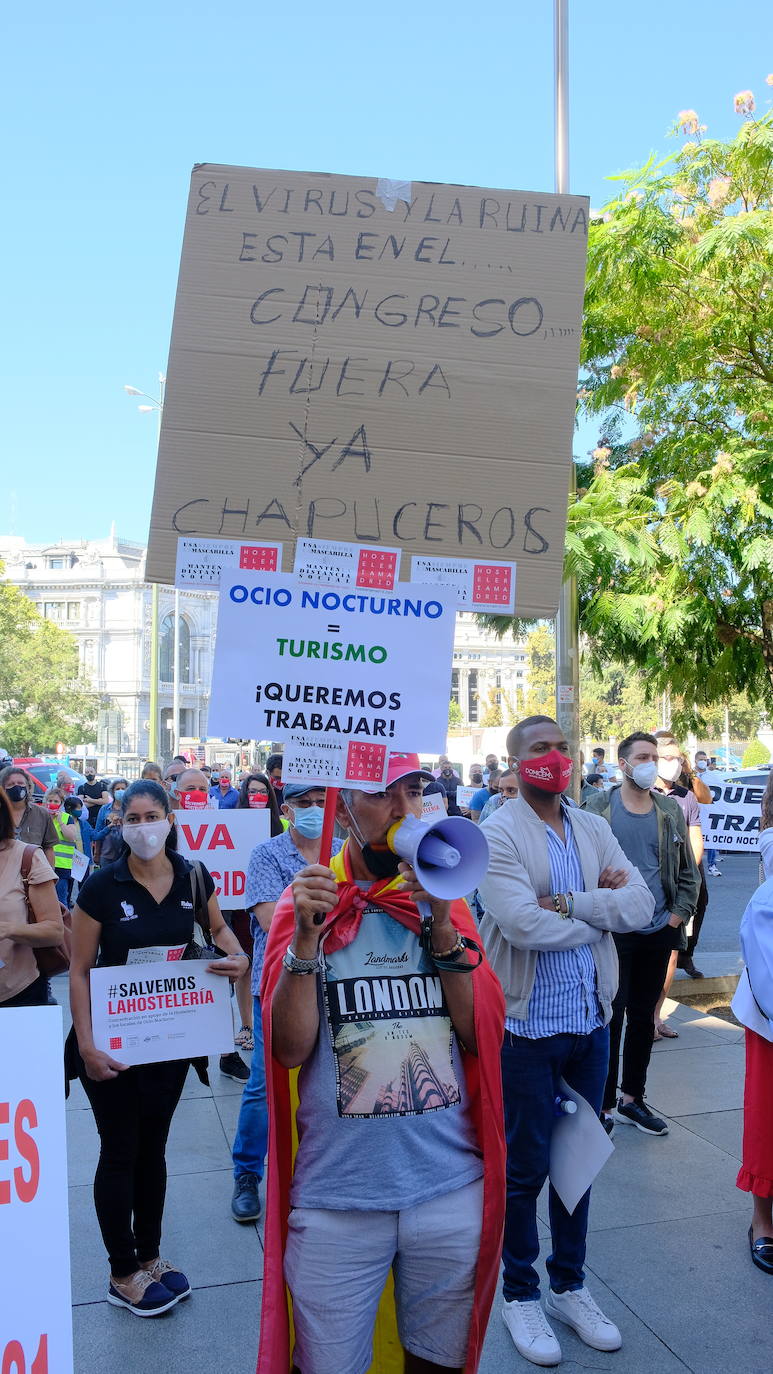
550,772
258,799
193,801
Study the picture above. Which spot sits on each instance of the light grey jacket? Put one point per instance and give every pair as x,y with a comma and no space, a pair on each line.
514,928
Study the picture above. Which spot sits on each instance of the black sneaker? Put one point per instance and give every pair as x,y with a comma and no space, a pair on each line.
639,1115
245,1203
233,1066
607,1121
685,962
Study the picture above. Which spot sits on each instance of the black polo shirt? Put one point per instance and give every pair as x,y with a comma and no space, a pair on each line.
130,916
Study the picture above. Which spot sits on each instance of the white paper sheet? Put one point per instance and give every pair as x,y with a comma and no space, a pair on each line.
579,1149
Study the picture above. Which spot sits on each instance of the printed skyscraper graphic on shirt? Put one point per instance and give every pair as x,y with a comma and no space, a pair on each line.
389,1024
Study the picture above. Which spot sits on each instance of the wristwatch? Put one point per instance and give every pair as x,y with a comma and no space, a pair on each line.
295,965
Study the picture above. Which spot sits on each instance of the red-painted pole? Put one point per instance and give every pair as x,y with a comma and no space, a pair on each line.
328,822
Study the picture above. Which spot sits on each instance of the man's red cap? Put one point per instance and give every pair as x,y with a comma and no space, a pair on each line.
401,766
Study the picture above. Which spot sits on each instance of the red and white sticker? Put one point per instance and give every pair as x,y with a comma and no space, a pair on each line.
333,761
330,563
201,561
479,586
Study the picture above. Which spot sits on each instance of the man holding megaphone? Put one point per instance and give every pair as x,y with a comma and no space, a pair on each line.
376,988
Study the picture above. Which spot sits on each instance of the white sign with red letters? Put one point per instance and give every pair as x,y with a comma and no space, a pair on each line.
223,841
35,1317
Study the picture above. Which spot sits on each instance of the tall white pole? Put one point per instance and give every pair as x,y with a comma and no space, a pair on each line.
176,677
567,620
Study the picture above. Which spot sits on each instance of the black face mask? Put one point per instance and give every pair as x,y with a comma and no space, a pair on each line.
382,863
17,792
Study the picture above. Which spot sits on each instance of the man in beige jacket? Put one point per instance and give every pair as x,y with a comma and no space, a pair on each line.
558,883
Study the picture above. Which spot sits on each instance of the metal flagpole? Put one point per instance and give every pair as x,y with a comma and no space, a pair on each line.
567,620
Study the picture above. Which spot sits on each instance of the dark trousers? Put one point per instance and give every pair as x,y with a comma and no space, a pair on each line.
643,964
700,912
34,995
531,1070
133,1113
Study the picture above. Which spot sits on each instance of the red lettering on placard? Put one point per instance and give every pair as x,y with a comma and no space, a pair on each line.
15,1363
26,1115
221,838
5,1187
188,833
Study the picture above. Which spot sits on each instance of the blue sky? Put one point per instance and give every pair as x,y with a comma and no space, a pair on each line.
108,107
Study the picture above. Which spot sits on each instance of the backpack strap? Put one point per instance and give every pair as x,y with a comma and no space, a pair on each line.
200,912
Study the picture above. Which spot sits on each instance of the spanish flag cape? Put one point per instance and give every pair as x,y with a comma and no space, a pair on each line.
484,1087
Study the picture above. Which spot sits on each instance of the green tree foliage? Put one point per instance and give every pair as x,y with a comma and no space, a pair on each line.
755,754
42,696
455,717
541,692
671,534
492,712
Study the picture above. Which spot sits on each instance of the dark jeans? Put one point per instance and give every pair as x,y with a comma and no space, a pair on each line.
133,1113
34,995
643,965
531,1070
700,912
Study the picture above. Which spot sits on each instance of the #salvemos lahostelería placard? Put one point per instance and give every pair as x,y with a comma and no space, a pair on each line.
386,364
369,667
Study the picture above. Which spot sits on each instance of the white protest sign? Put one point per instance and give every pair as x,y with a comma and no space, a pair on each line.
223,841
80,865
155,1012
330,563
464,796
579,1149
433,808
732,819
372,668
479,586
347,366
333,761
201,561
35,1317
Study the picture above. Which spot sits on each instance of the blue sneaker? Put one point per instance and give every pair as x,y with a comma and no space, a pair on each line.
141,1294
169,1277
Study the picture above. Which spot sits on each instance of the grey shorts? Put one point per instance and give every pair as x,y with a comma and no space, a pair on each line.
336,1265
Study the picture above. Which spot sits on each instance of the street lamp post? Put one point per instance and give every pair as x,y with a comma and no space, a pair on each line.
157,405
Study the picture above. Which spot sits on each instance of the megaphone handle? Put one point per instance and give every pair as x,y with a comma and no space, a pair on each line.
425,933
326,843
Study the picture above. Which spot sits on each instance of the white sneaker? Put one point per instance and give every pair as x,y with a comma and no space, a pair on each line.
532,1336
714,871
579,1311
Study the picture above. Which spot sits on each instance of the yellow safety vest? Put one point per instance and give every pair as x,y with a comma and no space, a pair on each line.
63,851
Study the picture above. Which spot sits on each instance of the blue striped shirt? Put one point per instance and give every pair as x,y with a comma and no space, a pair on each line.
564,1000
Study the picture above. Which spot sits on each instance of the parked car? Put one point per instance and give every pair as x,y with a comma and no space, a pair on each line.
44,775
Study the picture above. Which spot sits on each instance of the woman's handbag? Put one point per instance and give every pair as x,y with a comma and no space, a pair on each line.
50,959
201,945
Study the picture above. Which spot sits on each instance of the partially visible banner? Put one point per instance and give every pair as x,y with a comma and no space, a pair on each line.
35,1312
223,841
732,820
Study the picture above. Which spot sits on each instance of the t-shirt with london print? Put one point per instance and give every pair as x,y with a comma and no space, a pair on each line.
383,1120
388,1023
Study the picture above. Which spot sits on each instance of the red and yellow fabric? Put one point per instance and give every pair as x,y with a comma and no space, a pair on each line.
484,1086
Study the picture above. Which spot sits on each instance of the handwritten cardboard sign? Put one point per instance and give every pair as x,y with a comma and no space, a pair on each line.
349,366
370,668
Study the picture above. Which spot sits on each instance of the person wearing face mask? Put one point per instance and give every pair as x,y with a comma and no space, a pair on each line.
171,775
274,773
484,794
32,824
272,867
558,884
400,1161
223,794
652,832
145,899
67,838
675,780
95,794
117,788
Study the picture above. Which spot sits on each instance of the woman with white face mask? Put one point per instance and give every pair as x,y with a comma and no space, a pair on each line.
144,900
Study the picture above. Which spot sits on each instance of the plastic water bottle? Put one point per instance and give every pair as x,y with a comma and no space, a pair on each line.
564,1106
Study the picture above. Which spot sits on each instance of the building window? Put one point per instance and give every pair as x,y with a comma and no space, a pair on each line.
57,564
73,612
166,655
455,685
472,696
54,610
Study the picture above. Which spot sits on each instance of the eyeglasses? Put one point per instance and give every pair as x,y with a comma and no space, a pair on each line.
303,803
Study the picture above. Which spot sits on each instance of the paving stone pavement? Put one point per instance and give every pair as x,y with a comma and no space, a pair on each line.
668,1255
